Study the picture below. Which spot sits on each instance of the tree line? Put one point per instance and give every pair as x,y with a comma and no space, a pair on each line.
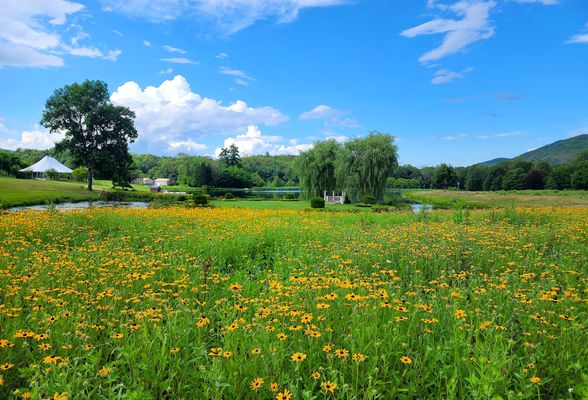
516,174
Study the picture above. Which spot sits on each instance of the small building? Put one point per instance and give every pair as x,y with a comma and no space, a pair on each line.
143,181
334,199
40,168
155,188
163,181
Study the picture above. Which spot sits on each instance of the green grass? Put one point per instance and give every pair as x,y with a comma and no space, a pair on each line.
502,199
23,192
279,205
20,192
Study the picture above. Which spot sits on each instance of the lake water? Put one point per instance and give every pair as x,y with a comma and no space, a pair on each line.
85,204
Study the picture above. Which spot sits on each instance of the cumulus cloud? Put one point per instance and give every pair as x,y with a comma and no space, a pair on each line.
186,145
173,113
34,139
31,34
254,142
446,76
230,15
473,26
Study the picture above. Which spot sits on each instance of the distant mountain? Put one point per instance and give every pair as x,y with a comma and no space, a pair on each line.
559,152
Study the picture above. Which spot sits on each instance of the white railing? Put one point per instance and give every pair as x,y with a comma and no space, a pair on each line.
334,199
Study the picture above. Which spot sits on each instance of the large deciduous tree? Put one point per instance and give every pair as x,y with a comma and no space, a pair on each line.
97,132
364,165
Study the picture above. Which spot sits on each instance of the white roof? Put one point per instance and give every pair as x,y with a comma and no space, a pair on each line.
46,164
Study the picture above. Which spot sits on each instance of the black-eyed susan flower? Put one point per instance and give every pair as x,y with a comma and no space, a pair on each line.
298,357
329,387
285,395
405,360
256,383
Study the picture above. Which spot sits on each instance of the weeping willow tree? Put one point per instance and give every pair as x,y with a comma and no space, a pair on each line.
316,168
364,164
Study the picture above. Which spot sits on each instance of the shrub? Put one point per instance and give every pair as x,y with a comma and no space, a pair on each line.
229,196
79,174
369,199
362,205
52,174
317,202
200,199
380,209
289,196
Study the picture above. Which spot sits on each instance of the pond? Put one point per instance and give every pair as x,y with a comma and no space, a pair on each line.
85,204
416,208
276,194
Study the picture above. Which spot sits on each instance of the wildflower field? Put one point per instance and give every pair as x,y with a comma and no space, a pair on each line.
225,303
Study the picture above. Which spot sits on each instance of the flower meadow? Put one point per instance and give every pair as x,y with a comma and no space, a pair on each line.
179,303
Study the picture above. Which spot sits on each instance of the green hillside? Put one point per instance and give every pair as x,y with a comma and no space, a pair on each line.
559,152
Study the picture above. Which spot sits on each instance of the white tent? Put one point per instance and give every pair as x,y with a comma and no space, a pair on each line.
47,163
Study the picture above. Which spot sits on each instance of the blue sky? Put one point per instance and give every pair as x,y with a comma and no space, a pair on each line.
457,81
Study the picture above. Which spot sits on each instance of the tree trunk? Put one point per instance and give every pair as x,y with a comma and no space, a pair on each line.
90,179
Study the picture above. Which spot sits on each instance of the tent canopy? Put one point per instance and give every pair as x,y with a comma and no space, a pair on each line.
46,164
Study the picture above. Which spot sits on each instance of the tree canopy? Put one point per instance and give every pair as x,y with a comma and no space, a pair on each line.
365,163
360,167
97,132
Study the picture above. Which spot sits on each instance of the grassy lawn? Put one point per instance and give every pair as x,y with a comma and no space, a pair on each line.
526,198
23,192
279,205
17,192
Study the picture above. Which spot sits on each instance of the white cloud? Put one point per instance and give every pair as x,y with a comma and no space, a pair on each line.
118,33
93,52
254,142
578,132
446,76
187,145
31,33
146,43
544,2
174,49
167,71
330,115
580,37
229,15
321,111
221,56
338,138
180,60
462,136
173,113
473,26
35,139
241,78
